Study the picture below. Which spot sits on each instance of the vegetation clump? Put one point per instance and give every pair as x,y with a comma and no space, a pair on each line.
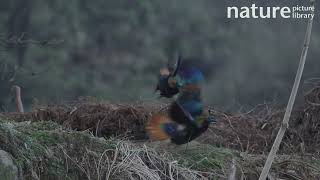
47,144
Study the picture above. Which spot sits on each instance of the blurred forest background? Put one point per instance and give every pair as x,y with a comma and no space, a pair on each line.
60,50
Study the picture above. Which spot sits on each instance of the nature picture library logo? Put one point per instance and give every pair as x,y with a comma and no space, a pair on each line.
254,11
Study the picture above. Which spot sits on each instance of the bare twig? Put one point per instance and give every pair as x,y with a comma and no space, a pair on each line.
285,123
232,175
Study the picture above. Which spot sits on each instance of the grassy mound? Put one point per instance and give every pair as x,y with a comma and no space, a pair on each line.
102,119
252,132
77,141
47,150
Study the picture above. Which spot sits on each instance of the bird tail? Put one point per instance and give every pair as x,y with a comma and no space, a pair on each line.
160,127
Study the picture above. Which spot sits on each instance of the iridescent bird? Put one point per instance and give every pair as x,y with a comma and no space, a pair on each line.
187,118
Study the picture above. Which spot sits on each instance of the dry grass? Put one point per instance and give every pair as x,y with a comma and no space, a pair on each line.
254,132
102,119
46,145
251,132
46,150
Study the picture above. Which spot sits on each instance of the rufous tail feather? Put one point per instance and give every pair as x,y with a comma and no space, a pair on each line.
155,127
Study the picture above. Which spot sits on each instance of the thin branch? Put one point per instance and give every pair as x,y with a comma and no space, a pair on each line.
17,91
233,168
285,123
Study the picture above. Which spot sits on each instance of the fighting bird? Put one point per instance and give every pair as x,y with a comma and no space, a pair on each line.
187,118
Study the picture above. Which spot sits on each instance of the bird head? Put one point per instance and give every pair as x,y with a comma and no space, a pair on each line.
166,82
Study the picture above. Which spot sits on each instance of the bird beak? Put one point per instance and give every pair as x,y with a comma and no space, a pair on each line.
177,66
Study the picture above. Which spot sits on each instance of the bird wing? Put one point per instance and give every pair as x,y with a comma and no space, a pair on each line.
188,75
190,80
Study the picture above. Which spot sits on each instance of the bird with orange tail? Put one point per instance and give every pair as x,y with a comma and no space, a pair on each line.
187,118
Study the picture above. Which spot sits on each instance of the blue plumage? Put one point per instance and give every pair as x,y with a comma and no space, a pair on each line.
189,75
194,107
187,110
170,128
